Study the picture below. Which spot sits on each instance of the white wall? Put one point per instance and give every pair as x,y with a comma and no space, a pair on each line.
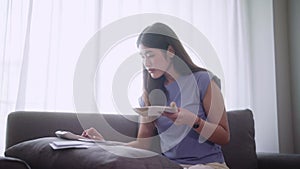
287,52
294,49
284,105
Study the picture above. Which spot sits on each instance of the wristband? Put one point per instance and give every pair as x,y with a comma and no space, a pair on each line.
197,123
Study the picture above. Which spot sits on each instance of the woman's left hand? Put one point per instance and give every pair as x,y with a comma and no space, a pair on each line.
182,117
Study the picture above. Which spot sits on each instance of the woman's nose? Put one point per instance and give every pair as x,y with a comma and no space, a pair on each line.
147,62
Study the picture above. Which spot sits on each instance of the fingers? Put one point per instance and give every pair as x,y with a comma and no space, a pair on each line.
85,133
179,120
173,104
92,133
172,116
182,117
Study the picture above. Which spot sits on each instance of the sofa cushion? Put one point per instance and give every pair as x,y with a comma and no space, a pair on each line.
278,160
38,154
241,151
12,163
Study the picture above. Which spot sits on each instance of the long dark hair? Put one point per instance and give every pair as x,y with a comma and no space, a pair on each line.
161,36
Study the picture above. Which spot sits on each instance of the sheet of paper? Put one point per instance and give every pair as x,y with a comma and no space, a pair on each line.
69,144
54,147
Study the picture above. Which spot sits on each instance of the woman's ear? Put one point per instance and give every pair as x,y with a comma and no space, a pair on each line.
170,51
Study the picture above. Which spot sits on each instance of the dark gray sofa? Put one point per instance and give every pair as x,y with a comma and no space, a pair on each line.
240,153
12,163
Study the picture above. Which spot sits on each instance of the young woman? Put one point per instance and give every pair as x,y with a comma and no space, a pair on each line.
193,135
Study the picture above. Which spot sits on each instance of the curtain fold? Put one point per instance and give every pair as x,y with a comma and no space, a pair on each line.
13,26
24,66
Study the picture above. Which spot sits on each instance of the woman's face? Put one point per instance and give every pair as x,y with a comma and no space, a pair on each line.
155,61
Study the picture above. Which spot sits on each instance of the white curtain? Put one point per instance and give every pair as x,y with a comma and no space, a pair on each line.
42,40
40,44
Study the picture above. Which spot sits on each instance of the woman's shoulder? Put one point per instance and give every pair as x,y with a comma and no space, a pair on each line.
206,76
203,74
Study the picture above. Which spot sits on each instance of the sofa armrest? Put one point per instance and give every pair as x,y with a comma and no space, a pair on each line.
278,161
12,163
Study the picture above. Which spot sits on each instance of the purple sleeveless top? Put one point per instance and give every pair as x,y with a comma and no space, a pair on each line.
180,143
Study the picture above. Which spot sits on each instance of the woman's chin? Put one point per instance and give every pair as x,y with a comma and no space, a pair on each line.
155,75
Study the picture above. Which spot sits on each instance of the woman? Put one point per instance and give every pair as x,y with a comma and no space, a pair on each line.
192,136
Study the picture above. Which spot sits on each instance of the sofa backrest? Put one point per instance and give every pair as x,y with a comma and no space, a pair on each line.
240,153
22,126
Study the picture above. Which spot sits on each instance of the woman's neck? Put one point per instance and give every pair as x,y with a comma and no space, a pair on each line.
171,76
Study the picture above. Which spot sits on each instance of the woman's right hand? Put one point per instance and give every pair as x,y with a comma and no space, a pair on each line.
92,133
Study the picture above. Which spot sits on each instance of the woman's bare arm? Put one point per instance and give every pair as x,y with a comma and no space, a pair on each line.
145,134
215,128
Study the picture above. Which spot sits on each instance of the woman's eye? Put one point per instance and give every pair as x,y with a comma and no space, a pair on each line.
149,55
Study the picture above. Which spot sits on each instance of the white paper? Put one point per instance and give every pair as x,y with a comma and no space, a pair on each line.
69,144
